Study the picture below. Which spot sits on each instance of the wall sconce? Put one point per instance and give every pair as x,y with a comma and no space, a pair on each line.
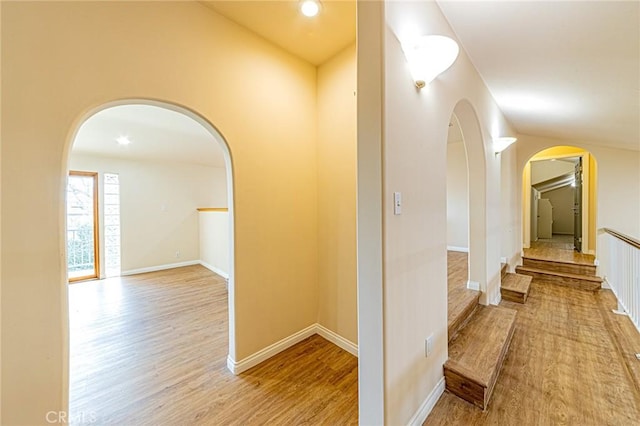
500,144
428,56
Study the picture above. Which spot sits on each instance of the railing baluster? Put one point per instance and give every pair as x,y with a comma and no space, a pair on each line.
624,272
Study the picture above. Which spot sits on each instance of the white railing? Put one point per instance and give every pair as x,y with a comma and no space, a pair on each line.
624,272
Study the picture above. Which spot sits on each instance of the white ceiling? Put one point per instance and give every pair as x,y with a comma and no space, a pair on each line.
156,134
313,39
559,69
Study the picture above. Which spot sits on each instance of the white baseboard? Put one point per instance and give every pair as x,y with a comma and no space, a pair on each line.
237,367
504,260
473,285
215,270
497,299
427,405
160,267
460,249
337,340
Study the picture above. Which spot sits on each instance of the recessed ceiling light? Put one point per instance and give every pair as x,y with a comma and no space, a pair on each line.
123,140
310,8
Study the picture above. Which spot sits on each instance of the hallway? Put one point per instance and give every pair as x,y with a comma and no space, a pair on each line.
571,361
560,247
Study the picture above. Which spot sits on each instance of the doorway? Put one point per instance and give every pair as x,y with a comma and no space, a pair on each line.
83,257
153,168
559,210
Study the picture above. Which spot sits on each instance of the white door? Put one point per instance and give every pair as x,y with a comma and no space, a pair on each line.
545,218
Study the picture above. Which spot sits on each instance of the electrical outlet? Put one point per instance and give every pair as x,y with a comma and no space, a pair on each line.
428,346
177,254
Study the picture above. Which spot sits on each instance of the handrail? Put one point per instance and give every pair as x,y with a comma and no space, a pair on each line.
213,209
627,239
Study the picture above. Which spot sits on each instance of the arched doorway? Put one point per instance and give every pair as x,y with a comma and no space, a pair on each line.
464,116
171,211
559,199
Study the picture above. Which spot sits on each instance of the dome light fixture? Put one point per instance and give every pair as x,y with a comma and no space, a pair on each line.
310,8
428,56
501,143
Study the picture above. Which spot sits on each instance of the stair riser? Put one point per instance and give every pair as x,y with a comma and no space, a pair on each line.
471,392
565,281
503,271
513,296
462,320
589,270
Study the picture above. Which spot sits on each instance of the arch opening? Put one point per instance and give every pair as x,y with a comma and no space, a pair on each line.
559,200
175,176
466,190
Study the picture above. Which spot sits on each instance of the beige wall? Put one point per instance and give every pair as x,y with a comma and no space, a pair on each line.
511,216
457,197
337,194
413,157
158,202
214,241
62,60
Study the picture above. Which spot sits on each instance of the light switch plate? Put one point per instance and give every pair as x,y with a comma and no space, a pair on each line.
397,203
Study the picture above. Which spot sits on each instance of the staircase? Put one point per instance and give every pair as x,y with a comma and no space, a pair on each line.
514,287
479,338
576,274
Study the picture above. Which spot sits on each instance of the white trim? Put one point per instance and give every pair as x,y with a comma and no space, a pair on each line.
473,285
237,367
215,270
337,340
504,260
159,267
497,299
427,405
460,249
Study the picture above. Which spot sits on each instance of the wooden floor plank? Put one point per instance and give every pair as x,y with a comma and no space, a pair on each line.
569,363
151,349
461,301
562,252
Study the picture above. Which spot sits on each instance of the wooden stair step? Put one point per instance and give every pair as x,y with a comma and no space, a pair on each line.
503,270
477,352
570,267
583,282
462,303
515,287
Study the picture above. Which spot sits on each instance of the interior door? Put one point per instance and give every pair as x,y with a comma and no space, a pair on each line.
577,207
545,218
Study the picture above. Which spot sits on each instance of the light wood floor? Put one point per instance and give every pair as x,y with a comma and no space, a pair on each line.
151,350
557,249
571,362
458,295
